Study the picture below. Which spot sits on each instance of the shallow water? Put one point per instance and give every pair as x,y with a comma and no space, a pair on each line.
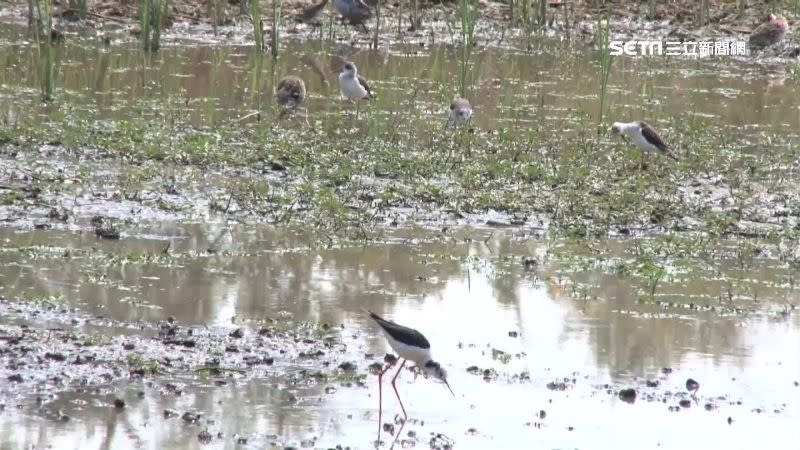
205,84
466,298
595,332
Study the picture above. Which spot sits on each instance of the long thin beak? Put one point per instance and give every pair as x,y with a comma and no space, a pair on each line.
448,387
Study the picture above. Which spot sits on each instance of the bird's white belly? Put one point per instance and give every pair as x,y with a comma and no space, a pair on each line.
642,143
418,355
351,88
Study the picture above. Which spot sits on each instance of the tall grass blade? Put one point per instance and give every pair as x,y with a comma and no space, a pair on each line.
255,15
605,59
376,32
277,12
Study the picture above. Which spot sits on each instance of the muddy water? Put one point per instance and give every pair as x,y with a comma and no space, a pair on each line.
469,297
205,84
587,332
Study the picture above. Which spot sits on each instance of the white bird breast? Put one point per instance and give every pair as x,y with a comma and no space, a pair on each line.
418,355
642,143
351,88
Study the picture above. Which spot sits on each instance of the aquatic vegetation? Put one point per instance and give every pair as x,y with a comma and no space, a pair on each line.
277,13
255,19
468,15
377,29
153,16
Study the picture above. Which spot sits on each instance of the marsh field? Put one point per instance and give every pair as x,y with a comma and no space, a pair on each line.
185,266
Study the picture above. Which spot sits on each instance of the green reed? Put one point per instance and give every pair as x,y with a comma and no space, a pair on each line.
152,18
255,17
255,81
604,58
542,15
277,12
161,12
467,12
651,9
703,12
376,31
41,17
144,22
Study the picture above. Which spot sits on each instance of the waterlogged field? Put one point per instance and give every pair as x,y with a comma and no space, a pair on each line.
181,268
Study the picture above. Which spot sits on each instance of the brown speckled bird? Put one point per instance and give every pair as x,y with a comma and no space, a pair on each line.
770,32
311,14
291,91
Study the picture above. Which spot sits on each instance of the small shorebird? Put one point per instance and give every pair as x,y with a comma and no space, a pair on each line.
645,138
355,11
310,14
692,386
460,111
411,345
290,93
770,32
353,85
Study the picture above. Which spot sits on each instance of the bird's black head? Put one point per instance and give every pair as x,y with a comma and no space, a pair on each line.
434,369
349,67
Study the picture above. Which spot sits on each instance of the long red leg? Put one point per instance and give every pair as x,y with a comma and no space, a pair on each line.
405,416
380,399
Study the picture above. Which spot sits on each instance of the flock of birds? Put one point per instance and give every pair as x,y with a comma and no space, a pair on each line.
290,93
408,343
291,90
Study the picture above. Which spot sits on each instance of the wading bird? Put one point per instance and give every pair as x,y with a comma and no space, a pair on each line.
310,14
290,93
410,345
644,137
770,32
353,85
354,11
460,111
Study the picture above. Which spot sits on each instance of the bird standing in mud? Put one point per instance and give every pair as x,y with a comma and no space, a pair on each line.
769,33
410,345
290,93
310,14
644,137
354,11
353,85
460,111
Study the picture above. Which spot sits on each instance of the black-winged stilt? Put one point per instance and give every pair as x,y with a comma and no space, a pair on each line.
410,345
353,85
355,11
645,138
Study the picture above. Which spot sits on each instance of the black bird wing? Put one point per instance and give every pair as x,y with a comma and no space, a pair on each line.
364,83
400,333
653,137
